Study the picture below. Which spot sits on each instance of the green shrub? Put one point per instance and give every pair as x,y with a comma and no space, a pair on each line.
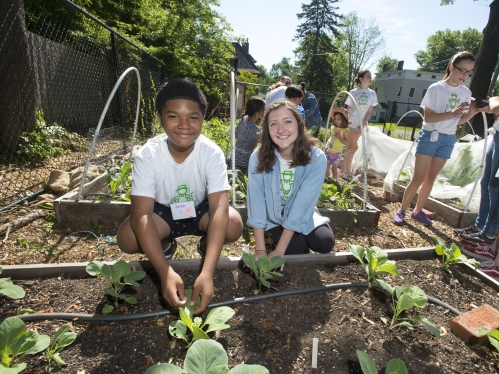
218,130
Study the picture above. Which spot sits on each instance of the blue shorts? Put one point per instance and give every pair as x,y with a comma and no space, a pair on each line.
441,148
182,227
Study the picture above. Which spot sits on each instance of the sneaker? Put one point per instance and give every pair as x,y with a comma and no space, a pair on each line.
171,248
201,247
477,238
481,252
490,268
399,217
473,229
421,217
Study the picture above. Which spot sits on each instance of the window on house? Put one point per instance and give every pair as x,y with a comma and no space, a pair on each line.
389,75
399,91
424,92
418,75
386,91
433,77
411,92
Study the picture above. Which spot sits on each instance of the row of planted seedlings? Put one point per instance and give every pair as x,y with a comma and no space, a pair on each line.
205,355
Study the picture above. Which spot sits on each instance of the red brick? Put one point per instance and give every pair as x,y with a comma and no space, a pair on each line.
391,197
467,324
430,215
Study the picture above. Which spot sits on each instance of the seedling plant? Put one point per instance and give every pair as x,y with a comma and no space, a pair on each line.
117,277
263,269
394,366
206,356
10,289
452,255
404,298
120,180
16,342
375,262
492,335
337,196
215,321
62,338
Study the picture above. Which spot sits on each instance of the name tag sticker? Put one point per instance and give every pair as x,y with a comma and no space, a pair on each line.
183,210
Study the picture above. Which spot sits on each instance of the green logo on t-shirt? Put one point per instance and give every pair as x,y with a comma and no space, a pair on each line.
363,99
287,177
453,102
183,195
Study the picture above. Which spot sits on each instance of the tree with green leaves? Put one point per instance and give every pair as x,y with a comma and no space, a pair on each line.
392,63
442,45
284,67
362,43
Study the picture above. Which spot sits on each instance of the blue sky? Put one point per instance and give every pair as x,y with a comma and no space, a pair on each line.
270,25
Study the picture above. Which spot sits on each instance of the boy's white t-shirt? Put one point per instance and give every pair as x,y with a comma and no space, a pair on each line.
364,99
156,174
442,98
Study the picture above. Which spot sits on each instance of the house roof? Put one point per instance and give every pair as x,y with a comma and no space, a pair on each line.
246,61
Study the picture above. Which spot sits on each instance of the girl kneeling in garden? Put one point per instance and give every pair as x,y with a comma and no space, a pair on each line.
285,180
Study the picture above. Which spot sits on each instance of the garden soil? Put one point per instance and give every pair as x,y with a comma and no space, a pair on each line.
276,333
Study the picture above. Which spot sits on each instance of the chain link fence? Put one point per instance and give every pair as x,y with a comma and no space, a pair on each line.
58,65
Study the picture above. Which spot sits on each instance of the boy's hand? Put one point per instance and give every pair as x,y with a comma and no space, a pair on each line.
173,289
203,286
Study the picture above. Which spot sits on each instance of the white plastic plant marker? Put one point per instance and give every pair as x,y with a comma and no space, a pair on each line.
315,348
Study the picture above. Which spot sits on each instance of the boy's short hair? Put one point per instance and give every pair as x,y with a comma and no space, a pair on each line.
178,88
294,91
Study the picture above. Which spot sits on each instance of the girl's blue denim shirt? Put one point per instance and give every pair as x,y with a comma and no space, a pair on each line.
264,197
312,112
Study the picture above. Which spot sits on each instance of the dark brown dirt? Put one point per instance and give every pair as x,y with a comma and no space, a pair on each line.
276,333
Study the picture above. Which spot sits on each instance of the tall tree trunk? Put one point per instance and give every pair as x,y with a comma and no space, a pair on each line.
486,60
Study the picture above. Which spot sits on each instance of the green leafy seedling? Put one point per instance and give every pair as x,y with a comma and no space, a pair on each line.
117,277
263,269
16,342
375,262
206,356
215,321
394,366
10,289
404,298
120,180
62,339
452,255
493,336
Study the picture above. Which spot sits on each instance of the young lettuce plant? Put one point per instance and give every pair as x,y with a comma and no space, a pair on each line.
394,366
10,289
493,336
375,262
117,278
215,321
406,298
16,342
452,255
62,339
263,269
206,356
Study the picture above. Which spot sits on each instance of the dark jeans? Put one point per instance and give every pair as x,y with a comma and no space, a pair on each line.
320,240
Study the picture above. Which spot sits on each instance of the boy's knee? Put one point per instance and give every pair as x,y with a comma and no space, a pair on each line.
234,226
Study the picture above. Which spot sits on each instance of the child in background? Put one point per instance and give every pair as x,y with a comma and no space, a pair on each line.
294,94
366,99
339,138
446,105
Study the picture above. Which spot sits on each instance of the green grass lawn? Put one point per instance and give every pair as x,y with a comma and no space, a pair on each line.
400,132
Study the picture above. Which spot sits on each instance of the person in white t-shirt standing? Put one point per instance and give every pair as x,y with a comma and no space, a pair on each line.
366,99
179,188
446,105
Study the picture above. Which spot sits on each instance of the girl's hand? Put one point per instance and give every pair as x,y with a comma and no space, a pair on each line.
260,253
461,109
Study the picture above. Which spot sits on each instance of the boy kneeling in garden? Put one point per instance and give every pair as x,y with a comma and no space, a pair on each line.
179,188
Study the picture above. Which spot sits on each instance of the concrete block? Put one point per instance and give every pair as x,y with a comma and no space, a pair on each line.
466,325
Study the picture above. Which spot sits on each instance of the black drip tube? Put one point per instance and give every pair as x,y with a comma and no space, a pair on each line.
239,300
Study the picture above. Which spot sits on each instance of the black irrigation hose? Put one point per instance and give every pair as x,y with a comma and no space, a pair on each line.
239,300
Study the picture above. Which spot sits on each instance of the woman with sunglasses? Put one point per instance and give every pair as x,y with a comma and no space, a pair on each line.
446,105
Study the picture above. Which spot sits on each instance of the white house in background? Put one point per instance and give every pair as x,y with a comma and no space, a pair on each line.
405,86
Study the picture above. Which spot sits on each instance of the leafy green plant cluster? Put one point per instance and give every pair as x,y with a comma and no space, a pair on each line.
492,335
120,180
263,269
337,196
215,321
218,130
452,255
62,338
46,141
375,262
117,277
241,184
403,299
368,366
10,289
460,172
204,357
